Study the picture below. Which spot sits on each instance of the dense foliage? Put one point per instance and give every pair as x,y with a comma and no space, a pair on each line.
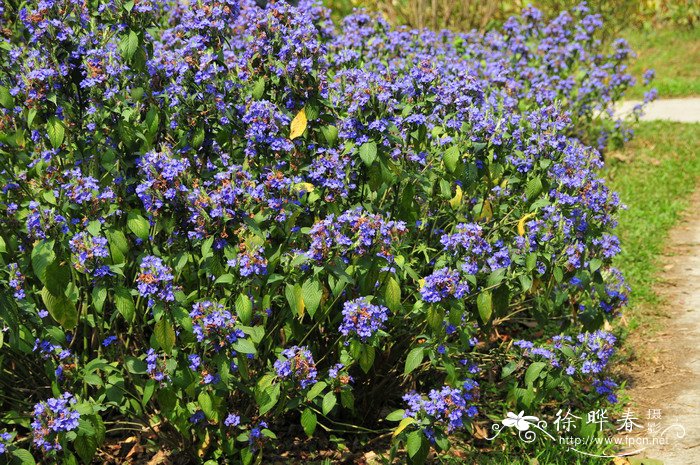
218,220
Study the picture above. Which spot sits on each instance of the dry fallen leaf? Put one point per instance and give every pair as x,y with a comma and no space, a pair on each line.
161,458
480,432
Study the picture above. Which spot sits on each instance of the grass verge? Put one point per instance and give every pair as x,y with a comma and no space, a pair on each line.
654,175
674,54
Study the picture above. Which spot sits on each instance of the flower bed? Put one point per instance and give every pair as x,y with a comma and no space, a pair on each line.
223,220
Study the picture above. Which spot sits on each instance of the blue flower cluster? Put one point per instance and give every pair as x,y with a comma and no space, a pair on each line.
155,280
474,252
155,366
362,319
52,418
446,407
297,364
89,254
442,284
585,356
5,438
354,233
16,281
214,325
215,330
250,262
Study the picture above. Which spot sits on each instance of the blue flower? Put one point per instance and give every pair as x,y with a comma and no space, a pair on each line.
51,418
362,319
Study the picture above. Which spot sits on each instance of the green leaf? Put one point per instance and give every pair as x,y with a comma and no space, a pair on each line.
451,158
558,274
311,294
148,391
308,422
414,443
531,262
138,224
330,133
69,459
259,88
496,277
165,334
198,138
94,228
367,358
392,295
57,277
347,399
413,360
244,308
42,257
129,45
56,131
396,415
315,390
86,447
225,279
136,365
269,398
295,299
22,457
206,403
118,245
152,121
329,401
125,303
508,369
99,295
533,188
247,455
368,152
244,346
485,305
533,371
595,264
6,99
61,308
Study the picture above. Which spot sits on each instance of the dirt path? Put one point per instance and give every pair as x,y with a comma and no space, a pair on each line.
684,110
665,378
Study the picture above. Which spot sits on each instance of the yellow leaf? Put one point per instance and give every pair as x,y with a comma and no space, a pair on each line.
203,448
304,186
402,426
521,223
486,211
298,125
301,306
457,199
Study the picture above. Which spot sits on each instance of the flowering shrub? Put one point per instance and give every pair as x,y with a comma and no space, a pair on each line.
223,219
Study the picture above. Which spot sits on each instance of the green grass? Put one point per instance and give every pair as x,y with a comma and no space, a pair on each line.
673,53
655,175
